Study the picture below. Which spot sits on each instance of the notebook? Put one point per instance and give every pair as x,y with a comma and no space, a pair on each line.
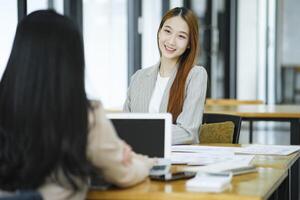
146,133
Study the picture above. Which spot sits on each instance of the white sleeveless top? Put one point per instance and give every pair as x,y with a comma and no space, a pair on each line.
157,95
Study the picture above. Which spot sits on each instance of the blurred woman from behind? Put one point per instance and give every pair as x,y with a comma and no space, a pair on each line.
51,135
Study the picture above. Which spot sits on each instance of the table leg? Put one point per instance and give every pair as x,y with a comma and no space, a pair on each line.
294,86
294,176
283,99
250,131
282,192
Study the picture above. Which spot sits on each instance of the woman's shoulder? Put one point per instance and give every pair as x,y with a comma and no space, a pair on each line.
197,78
141,74
198,71
146,71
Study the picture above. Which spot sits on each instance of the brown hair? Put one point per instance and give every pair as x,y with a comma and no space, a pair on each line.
186,60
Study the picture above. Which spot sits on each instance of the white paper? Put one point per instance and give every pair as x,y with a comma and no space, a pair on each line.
268,150
199,158
201,149
222,166
208,158
208,183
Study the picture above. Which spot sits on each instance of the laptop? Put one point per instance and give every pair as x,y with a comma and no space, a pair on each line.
146,133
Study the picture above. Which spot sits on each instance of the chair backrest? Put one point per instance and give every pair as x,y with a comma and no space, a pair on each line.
232,102
215,118
23,195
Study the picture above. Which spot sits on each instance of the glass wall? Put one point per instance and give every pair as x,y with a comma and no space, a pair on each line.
288,58
8,24
33,5
151,16
9,20
105,37
212,43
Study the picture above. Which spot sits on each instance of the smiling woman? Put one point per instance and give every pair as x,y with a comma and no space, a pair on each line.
175,84
173,39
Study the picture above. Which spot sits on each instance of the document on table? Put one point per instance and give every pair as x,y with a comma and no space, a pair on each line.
236,165
202,149
281,150
268,150
199,158
200,155
208,158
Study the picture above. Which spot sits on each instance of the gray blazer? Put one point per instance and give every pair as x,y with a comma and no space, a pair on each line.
188,123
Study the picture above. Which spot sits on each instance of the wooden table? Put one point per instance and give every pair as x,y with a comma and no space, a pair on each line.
288,113
254,186
272,172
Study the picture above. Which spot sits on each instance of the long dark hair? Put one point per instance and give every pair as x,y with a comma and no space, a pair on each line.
43,105
186,60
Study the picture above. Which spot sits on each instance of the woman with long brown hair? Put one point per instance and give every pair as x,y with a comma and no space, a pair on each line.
175,84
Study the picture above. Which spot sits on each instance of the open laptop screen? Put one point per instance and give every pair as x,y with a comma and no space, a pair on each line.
148,134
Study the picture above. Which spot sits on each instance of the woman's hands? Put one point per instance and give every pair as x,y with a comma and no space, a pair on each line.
127,154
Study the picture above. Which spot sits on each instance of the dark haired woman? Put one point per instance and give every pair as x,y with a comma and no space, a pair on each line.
51,136
175,84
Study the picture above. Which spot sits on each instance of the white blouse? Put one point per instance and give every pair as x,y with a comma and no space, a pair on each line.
157,95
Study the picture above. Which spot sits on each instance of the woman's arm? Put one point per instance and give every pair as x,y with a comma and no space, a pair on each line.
110,154
186,129
126,106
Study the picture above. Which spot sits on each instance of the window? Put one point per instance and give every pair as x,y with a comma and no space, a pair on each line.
8,24
151,11
105,37
33,5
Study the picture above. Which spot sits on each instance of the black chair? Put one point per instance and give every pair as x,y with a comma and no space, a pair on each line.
215,118
23,195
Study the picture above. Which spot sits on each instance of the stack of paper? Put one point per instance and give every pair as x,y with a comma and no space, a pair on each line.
235,168
206,155
202,149
208,158
209,182
225,159
268,150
